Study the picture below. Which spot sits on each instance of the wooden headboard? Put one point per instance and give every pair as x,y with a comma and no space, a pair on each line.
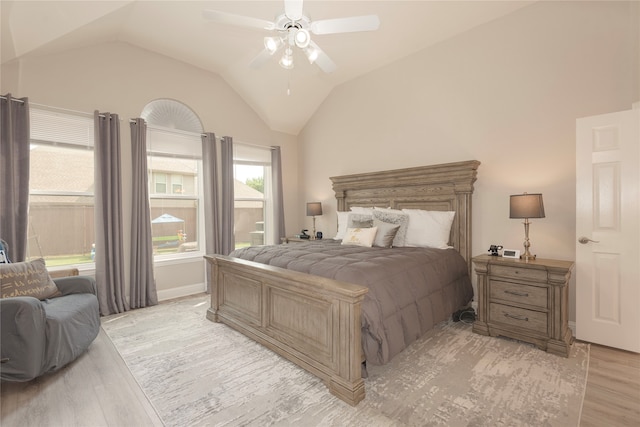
444,187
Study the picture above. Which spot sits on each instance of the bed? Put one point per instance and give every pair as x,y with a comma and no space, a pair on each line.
316,321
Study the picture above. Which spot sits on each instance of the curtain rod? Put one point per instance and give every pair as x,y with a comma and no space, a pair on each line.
246,144
49,107
130,121
254,145
13,99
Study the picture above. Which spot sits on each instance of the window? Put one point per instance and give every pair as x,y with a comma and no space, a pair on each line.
252,192
174,216
176,184
174,162
61,182
160,180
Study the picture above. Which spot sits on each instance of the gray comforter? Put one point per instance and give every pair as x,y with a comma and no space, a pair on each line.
410,289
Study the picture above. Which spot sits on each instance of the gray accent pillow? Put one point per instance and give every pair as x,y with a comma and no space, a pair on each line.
386,233
360,220
27,279
400,219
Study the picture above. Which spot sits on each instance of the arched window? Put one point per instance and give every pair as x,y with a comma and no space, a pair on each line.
174,151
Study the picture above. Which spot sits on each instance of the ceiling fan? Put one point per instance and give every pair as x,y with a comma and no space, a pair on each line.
293,30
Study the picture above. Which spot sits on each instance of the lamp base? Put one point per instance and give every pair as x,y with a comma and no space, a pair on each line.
527,255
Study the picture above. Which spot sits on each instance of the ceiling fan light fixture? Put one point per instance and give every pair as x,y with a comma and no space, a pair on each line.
287,59
312,54
302,38
294,30
272,44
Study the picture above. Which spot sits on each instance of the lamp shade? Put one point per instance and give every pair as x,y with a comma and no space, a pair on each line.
314,208
526,206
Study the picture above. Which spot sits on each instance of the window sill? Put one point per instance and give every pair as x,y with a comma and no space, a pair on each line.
89,269
182,259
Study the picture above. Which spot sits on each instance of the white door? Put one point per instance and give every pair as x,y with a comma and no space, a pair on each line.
608,230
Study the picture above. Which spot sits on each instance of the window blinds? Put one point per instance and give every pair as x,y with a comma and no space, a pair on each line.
61,128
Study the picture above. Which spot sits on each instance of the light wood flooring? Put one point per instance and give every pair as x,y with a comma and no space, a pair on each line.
612,397
95,390
98,390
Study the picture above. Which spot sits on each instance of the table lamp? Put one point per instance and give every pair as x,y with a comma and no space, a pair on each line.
314,209
526,206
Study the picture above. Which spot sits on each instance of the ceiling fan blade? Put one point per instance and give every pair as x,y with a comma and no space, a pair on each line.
293,9
346,25
263,57
323,61
260,59
239,20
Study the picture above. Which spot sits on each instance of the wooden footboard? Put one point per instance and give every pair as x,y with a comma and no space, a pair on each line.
312,321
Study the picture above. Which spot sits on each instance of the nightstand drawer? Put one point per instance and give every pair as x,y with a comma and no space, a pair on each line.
522,294
519,273
518,317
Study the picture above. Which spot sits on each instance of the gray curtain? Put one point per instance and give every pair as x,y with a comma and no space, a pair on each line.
14,174
212,236
108,217
227,182
142,283
278,200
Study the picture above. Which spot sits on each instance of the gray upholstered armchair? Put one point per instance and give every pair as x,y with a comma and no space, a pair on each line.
43,335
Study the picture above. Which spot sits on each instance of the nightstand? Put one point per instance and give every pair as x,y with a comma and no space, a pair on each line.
525,300
286,240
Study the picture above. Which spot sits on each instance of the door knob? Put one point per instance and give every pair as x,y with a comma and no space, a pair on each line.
585,240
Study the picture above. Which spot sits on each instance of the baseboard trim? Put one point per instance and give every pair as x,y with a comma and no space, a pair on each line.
182,291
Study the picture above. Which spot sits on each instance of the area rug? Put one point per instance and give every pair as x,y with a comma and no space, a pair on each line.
196,373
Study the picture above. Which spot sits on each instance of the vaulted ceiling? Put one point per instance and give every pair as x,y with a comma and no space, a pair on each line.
177,29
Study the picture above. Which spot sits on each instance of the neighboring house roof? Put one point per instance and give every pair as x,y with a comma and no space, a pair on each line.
172,165
243,191
56,169
53,169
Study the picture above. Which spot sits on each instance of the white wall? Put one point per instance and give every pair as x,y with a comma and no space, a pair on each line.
122,79
506,93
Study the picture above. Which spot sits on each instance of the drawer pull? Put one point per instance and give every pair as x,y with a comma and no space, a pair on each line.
516,293
516,316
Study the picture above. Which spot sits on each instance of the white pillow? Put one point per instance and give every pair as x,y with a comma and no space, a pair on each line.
343,219
390,210
393,216
429,228
360,236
